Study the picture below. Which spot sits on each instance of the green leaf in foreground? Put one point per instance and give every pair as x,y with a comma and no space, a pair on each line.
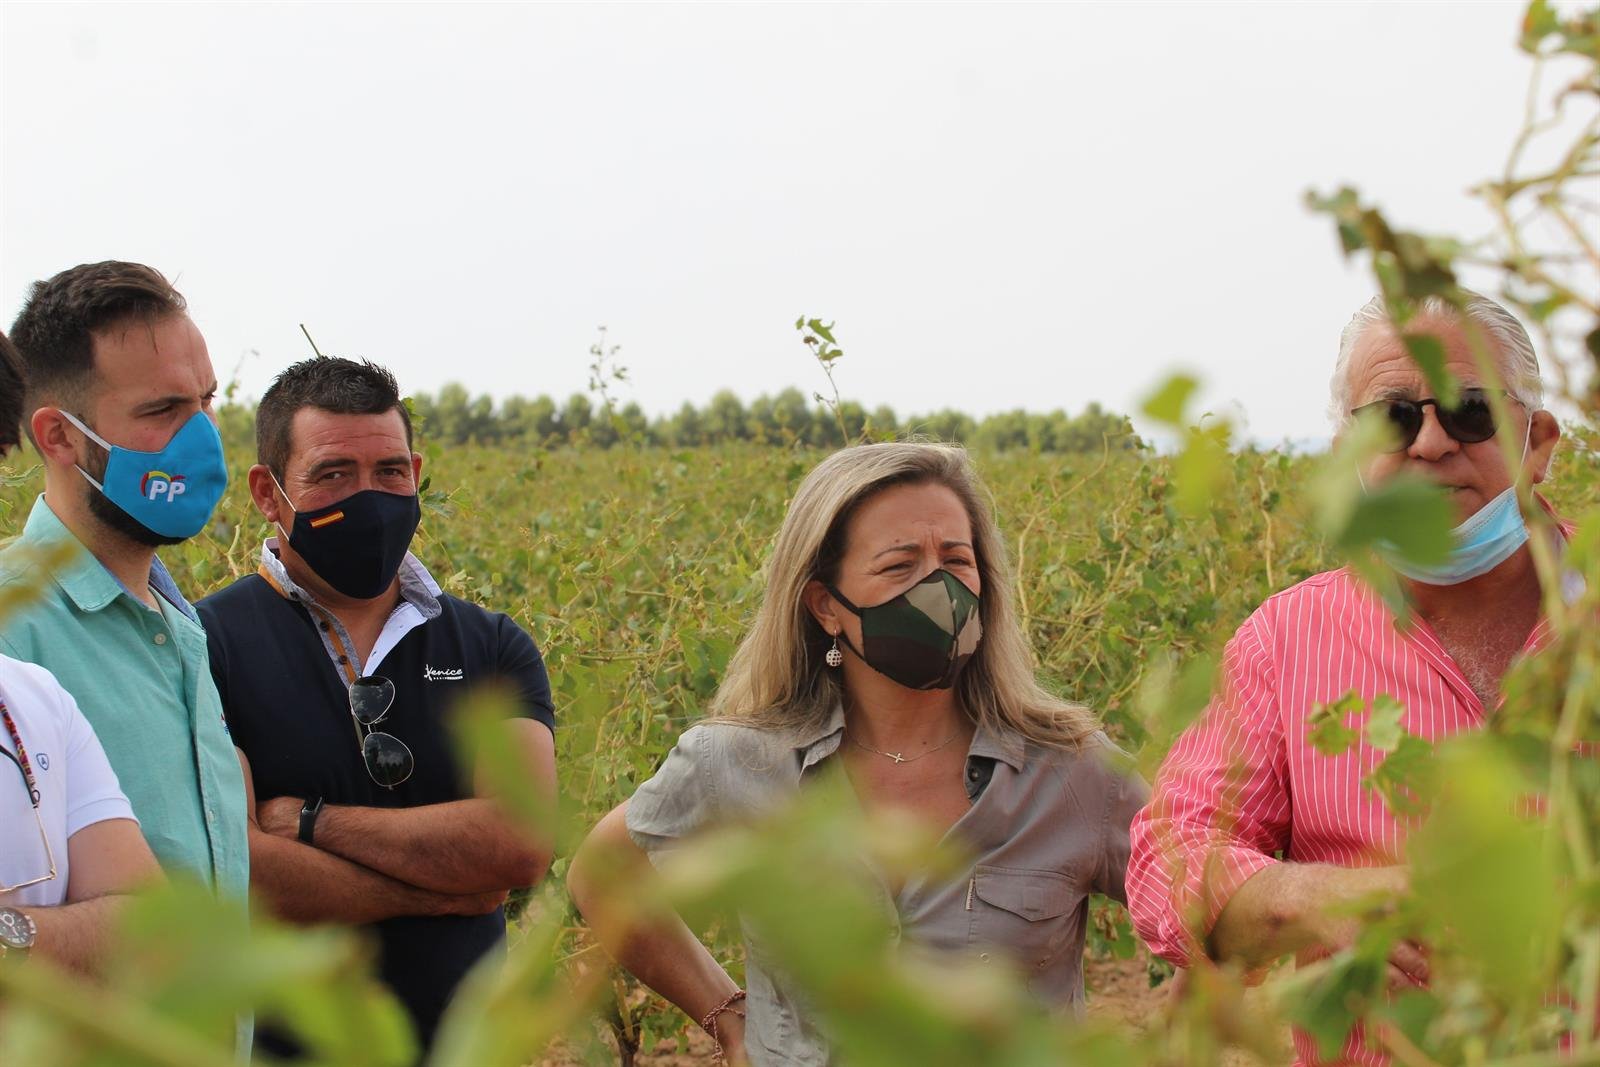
1412,516
1398,779
1169,402
1202,468
1404,513
1384,723
1481,874
1336,996
1330,732
1428,353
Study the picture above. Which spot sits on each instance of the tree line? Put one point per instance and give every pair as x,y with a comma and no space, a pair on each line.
454,416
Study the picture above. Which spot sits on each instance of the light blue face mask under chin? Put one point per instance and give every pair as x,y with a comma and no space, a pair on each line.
1487,539
1490,536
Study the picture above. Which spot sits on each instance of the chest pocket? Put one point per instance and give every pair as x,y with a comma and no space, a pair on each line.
1022,914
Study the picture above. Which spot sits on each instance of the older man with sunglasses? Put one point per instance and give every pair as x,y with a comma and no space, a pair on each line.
70,848
341,664
1253,839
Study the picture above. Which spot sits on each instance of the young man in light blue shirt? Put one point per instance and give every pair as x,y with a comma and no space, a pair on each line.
70,849
119,388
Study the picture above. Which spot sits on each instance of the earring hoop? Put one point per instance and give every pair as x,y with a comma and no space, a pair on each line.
833,657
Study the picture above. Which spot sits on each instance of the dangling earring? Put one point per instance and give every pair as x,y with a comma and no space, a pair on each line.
833,657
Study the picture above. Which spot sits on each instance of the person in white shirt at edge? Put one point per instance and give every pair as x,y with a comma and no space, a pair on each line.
70,848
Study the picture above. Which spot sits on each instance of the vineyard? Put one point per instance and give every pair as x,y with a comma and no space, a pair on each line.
637,568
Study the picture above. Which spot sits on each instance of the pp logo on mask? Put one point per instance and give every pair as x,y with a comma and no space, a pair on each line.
156,485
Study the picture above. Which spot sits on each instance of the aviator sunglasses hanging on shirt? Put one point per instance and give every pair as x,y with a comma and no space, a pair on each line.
923,637
1490,535
388,759
171,492
358,544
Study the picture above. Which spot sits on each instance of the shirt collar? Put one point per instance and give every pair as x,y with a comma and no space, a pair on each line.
161,581
822,741
84,578
417,586
1004,745
1573,587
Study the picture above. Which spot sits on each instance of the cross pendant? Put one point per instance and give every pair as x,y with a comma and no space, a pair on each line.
897,757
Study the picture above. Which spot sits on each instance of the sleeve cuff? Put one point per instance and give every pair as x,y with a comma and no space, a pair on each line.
100,809
1176,914
1226,869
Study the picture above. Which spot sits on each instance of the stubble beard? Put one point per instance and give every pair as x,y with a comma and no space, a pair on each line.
112,517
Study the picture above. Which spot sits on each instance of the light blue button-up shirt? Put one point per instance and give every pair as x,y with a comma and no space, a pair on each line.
143,679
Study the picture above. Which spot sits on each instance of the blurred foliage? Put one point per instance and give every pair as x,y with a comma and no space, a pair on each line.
637,566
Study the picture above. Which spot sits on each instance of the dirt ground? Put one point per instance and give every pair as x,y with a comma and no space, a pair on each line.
1118,990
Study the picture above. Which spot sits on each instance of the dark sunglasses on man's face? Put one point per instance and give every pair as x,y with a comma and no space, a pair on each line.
1470,421
389,762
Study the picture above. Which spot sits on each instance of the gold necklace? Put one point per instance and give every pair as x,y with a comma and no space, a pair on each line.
900,757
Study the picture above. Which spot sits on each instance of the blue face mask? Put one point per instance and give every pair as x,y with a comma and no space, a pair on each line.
1488,538
1483,542
171,492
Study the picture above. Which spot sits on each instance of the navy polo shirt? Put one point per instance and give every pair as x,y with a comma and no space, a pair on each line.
287,703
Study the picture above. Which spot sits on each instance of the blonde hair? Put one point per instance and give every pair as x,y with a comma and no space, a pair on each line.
777,678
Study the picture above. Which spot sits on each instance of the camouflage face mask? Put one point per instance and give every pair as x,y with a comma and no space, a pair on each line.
923,637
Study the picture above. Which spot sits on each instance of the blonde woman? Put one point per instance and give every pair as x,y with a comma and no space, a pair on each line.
886,643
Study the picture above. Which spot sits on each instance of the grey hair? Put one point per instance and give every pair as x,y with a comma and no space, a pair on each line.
1518,362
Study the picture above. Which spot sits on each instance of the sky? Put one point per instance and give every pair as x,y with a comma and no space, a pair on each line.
999,206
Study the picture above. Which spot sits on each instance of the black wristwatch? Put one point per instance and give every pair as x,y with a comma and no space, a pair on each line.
308,818
17,931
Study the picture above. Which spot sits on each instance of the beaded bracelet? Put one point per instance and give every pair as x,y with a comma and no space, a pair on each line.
709,1023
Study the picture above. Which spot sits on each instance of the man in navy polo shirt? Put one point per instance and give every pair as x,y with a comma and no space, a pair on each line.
340,663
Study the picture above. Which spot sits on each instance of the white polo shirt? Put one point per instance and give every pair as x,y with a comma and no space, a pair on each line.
77,787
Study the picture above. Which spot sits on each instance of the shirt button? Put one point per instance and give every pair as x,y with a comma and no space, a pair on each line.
160,639
326,627
984,956
344,660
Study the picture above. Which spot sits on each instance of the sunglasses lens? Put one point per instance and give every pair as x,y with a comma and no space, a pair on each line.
1470,422
389,761
370,699
1406,417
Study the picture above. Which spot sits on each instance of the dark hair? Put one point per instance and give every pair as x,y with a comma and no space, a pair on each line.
329,383
54,334
10,396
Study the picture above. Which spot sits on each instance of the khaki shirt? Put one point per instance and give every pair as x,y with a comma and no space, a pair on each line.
1047,828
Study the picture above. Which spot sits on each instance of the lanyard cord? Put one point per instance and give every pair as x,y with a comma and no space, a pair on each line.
328,622
21,758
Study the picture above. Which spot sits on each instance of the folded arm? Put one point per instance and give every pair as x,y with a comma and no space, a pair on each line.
303,884
458,847
1294,907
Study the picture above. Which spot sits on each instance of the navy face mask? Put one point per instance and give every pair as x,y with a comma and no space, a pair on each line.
358,544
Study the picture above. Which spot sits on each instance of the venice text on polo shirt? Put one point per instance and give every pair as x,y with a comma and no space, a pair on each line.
142,678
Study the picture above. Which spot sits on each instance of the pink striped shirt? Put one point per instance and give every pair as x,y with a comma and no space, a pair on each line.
1244,782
